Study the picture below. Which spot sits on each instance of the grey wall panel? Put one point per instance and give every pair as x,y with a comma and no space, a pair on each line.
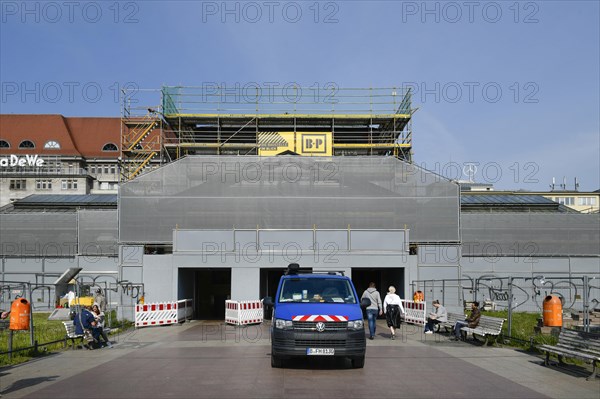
327,239
439,255
245,284
552,265
101,264
59,265
133,274
23,265
200,240
132,255
286,240
585,265
530,234
378,240
158,278
432,272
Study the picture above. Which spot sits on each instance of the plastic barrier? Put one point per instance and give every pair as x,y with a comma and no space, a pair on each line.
243,312
20,312
414,312
163,313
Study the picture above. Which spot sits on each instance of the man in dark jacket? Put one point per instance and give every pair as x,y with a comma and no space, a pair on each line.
471,321
85,320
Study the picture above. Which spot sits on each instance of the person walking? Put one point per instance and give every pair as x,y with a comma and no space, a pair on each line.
374,309
439,315
392,307
100,299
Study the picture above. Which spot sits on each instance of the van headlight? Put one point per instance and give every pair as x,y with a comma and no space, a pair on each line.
283,324
356,325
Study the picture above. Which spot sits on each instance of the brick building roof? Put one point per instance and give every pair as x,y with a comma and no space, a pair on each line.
76,136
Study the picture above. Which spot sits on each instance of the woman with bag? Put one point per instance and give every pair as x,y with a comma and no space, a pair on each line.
99,316
392,306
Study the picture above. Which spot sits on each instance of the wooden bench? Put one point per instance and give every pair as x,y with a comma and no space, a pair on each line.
70,329
452,319
576,344
488,327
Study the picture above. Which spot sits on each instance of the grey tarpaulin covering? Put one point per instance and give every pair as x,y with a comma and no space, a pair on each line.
530,234
56,234
98,232
38,234
288,192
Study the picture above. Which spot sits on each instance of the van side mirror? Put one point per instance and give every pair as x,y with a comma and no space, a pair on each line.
268,301
365,303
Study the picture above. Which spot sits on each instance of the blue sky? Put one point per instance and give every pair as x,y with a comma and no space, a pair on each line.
543,56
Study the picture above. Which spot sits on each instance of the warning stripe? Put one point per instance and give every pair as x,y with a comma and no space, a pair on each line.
320,317
271,138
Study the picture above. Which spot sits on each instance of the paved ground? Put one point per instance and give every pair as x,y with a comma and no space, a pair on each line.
201,359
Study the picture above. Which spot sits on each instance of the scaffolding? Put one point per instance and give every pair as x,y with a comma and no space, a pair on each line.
234,120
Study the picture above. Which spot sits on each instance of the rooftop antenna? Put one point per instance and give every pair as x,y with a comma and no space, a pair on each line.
564,183
553,184
576,184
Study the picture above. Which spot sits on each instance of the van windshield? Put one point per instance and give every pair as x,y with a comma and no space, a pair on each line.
317,290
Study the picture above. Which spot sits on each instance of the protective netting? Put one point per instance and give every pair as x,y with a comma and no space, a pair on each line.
38,234
98,232
58,234
530,234
288,192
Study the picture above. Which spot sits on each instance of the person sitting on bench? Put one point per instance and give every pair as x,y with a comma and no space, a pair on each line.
440,315
472,321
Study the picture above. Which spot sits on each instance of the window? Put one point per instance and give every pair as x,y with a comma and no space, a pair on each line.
52,145
68,185
113,169
110,147
106,169
18,184
4,144
566,200
93,169
26,144
43,184
587,201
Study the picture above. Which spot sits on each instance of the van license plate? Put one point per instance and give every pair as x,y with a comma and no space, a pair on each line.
320,351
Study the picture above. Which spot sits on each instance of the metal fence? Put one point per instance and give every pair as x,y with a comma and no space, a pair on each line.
579,293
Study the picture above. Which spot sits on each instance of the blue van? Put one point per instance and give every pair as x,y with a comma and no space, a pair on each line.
317,314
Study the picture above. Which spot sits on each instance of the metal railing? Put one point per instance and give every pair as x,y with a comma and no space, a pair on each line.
291,99
580,293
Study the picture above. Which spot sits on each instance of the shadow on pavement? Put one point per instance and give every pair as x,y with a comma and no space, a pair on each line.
26,383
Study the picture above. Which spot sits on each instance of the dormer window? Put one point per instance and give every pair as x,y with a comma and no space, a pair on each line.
26,144
4,144
110,147
52,145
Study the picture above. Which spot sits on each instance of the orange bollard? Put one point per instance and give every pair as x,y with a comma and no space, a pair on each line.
552,311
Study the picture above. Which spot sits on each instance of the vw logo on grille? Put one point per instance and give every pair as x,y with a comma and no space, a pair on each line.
320,326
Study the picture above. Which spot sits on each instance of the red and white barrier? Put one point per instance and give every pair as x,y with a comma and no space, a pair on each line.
414,312
243,312
163,313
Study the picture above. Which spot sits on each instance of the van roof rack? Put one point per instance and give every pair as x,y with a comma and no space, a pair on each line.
294,269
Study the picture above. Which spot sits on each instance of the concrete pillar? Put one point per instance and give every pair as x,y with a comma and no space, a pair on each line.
245,283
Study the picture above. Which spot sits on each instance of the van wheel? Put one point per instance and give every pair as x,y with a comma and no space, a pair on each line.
358,362
276,362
